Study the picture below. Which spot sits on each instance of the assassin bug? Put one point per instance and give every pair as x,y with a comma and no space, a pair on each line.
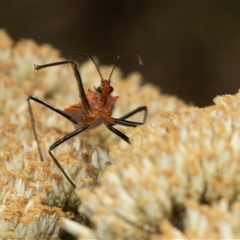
94,108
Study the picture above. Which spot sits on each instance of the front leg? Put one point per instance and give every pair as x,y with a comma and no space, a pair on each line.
118,133
137,110
124,123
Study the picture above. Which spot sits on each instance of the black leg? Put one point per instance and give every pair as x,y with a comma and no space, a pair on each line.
127,123
38,100
122,121
77,76
137,110
48,105
118,133
37,67
60,141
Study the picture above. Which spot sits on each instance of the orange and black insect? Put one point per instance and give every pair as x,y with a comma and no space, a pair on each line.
95,108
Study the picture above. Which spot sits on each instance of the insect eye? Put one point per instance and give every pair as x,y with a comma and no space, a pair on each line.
99,89
110,89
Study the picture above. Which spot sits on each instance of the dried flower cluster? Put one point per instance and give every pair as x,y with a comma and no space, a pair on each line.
182,165
180,161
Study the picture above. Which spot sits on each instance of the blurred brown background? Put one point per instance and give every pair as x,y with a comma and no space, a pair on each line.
190,49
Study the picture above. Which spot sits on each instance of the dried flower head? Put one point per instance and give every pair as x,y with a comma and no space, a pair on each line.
179,161
33,193
182,164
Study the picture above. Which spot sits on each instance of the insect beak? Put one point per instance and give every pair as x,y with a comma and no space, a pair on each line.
105,90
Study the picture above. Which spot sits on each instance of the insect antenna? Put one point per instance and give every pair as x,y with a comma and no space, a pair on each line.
119,58
88,56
